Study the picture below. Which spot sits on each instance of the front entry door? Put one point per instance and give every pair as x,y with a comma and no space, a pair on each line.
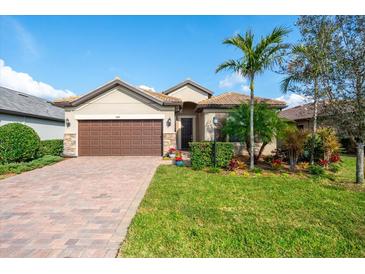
186,132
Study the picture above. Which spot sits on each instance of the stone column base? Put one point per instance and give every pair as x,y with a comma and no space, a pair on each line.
169,140
69,145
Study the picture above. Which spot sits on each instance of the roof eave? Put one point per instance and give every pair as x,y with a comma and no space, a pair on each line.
113,84
19,113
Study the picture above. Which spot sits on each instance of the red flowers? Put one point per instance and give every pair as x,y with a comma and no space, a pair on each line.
178,158
277,163
172,150
335,158
323,162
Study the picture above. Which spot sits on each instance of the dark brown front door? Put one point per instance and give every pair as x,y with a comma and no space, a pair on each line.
120,137
186,132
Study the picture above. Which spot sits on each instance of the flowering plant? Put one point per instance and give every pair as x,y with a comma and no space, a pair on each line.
178,158
323,162
277,163
335,158
172,150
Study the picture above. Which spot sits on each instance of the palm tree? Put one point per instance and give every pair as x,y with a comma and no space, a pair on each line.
304,71
255,60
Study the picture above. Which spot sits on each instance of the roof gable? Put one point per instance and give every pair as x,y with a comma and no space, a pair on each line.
185,83
150,95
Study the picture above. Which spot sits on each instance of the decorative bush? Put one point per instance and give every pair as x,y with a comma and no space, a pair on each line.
202,154
316,170
18,143
52,147
303,165
235,164
334,167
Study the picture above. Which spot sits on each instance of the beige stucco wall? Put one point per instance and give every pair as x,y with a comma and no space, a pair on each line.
119,104
189,94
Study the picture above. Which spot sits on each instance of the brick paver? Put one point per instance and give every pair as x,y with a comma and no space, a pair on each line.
79,207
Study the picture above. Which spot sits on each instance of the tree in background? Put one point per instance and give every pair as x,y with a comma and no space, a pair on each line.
254,61
308,65
267,126
346,92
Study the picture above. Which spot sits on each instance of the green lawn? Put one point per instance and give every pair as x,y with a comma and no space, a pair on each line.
188,213
7,170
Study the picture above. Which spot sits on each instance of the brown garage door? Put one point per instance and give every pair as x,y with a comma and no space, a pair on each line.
120,137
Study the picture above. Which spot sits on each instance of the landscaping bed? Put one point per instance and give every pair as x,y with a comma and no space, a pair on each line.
188,213
7,170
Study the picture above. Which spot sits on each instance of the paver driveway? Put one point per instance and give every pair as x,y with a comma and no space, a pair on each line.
76,208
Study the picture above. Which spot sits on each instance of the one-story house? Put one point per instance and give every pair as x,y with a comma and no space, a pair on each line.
302,115
120,119
18,107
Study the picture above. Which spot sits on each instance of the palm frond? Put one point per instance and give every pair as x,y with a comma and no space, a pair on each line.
275,37
234,65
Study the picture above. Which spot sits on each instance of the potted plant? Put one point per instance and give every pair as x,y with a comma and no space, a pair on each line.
172,152
178,159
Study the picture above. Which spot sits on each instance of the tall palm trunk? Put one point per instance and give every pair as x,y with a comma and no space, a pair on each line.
252,137
360,163
315,115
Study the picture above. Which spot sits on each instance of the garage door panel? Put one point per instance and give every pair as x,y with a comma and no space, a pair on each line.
120,137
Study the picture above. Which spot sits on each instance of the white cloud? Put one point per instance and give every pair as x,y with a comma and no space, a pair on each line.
245,88
232,80
293,99
23,82
147,88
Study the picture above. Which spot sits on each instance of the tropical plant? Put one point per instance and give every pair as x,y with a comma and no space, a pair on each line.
308,67
255,60
330,143
268,125
294,140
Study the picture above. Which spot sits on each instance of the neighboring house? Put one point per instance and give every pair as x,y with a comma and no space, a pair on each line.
18,107
302,115
120,119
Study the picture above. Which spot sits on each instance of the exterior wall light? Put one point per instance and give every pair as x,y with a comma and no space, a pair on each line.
68,122
168,122
215,121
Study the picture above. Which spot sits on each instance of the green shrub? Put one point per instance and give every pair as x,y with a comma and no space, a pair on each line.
18,143
202,154
316,170
22,167
214,170
334,167
257,170
52,147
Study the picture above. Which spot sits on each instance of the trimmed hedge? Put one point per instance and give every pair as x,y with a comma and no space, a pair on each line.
52,147
18,143
202,154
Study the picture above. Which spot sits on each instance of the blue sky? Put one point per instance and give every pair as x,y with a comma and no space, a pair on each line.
79,53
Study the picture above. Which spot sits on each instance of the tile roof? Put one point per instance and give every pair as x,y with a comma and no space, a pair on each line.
15,102
231,99
302,112
162,97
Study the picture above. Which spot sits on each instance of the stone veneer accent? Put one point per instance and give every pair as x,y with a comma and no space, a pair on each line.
169,140
69,144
